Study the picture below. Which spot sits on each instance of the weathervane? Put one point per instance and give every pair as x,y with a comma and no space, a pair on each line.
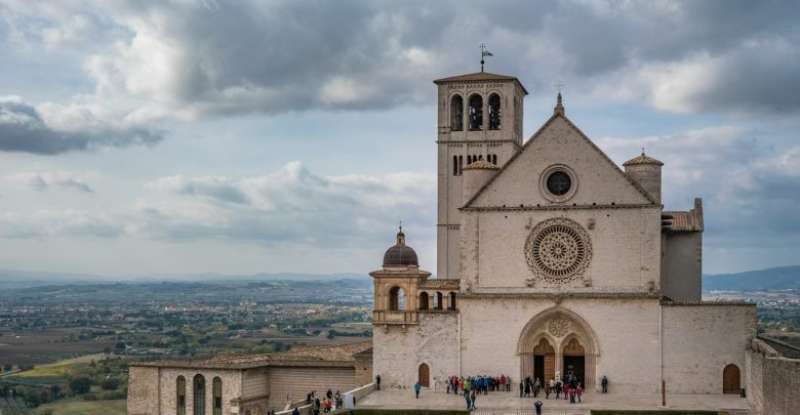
484,53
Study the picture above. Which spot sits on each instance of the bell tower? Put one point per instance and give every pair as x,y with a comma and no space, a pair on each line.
479,119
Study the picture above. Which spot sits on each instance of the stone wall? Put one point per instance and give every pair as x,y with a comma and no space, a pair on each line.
625,248
700,340
773,384
294,383
682,266
167,380
399,351
143,391
625,333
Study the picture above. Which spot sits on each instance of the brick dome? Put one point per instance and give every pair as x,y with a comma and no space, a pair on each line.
400,255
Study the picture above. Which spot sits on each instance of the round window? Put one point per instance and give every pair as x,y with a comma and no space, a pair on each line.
559,183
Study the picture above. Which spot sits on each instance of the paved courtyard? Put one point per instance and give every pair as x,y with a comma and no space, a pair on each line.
509,402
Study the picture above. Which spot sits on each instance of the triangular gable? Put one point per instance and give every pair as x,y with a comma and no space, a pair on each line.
539,152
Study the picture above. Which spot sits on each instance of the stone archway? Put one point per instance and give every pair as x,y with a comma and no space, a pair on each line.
572,339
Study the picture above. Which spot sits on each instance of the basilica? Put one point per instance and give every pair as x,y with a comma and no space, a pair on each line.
552,260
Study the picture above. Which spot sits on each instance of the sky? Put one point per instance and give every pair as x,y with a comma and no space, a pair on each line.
181,136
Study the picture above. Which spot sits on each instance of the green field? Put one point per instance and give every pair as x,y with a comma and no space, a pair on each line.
78,407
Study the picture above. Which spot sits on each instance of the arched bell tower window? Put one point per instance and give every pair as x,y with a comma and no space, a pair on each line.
397,299
457,113
475,112
494,112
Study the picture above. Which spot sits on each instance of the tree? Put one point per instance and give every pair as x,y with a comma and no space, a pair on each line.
110,384
7,367
80,386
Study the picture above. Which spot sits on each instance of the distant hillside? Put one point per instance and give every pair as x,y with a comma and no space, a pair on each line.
781,278
23,279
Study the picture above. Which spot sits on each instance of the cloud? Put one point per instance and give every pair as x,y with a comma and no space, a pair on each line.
23,129
194,59
42,181
291,207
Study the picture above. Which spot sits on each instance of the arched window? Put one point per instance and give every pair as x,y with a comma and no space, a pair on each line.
423,300
494,112
460,165
199,389
731,379
455,165
475,112
217,393
457,113
439,300
180,398
397,299
452,305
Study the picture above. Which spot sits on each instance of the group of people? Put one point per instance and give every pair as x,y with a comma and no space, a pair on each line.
570,388
481,384
329,402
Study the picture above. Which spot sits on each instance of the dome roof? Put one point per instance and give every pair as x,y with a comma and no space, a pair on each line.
643,159
400,255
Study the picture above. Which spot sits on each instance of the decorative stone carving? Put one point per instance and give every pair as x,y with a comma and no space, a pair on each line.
558,250
558,327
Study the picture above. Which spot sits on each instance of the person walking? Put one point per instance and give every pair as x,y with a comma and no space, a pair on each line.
538,407
474,398
378,382
547,390
468,400
527,389
604,383
521,389
417,388
579,392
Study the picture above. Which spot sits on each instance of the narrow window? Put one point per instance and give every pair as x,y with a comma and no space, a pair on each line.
199,395
475,112
494,112
457,113
455,165
460,165
469,160
439,301
423,301
180,390
480,157
217,391
452,305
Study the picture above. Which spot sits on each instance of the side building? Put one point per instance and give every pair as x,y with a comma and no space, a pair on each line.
247,385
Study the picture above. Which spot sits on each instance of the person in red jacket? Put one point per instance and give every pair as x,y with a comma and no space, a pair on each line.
579,391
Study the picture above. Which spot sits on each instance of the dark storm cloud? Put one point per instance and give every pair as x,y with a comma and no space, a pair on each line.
22,129
235,57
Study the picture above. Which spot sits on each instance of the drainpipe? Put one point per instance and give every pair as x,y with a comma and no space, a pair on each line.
661,352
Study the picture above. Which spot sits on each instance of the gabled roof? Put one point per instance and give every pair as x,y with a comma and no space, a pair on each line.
480,76
533,138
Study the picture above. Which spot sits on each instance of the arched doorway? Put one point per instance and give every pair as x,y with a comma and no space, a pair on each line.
572,339
423,300
731,379
544,361
574,361
424,375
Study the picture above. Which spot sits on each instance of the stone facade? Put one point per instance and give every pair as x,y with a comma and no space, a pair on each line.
773,378
250,385
561,262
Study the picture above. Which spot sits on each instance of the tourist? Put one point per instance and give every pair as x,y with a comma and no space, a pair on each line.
521,389
604,383
339,400
547,390
474,398
538,406
527,389
417,388
572,393
579,391
467,398
295,411
316,406
378,382
558,389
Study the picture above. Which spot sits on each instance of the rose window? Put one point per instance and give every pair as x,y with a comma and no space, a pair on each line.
558,250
